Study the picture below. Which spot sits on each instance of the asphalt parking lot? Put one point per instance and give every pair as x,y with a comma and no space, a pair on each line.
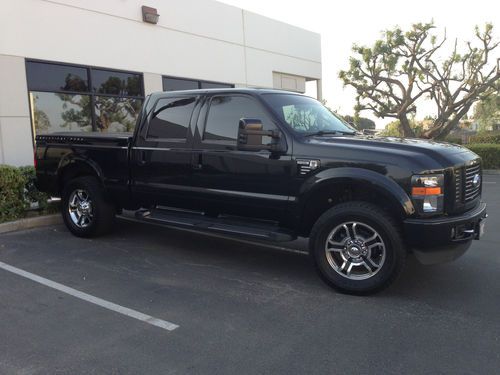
240,308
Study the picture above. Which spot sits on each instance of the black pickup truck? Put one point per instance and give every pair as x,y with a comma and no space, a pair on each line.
272,165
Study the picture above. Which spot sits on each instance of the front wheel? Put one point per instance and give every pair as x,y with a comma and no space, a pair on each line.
85,210
357,248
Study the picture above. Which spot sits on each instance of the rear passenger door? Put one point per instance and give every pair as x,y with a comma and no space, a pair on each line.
228,180
161,157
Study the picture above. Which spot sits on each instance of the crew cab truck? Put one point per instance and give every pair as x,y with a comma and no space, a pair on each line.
272,166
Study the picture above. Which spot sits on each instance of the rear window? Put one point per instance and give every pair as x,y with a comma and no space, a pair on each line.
170,119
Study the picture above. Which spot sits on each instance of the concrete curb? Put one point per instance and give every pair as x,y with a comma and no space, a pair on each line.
30,222
491,171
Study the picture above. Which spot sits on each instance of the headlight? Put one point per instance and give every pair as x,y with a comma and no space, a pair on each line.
427,193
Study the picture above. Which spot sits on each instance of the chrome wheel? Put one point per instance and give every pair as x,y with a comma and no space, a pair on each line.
80,208
355,250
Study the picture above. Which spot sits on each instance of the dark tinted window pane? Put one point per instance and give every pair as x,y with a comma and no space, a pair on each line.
116,83
60,112
225,113
214,85
116,114
171,118
173,84
54,77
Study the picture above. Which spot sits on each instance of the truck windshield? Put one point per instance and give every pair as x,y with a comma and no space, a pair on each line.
306,115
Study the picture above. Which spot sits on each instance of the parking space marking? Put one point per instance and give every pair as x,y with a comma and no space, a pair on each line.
89,298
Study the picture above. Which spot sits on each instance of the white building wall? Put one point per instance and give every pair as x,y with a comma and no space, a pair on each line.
16,145
199,39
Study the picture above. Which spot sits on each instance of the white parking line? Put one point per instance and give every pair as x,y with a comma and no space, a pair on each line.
95,300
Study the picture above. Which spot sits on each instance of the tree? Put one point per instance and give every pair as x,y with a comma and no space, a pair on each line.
40,118
460,81
487,112
392,128
361,123
108,109
402,68
386,76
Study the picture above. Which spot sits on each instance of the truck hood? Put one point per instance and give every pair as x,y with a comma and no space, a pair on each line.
445,154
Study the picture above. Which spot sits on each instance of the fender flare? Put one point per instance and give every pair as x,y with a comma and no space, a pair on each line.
374,180
69,160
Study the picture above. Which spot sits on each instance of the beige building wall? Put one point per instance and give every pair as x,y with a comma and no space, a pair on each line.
197,39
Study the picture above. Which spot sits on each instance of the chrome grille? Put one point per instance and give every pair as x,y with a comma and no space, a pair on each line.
458,185
471,191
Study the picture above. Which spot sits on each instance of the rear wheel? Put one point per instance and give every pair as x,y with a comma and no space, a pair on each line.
357,248
85,210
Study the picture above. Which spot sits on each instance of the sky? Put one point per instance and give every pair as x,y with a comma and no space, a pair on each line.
342,23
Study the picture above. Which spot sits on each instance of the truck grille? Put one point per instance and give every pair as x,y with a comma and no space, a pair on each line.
472,190
465,188
458,185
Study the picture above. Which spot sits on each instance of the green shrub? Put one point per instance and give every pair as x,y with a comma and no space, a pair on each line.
486,137
32,195
489,152
12,196
453,139
18,192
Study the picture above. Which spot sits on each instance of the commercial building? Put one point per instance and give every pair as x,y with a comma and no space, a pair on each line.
86,65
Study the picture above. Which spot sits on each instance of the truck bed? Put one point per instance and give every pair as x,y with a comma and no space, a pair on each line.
106,153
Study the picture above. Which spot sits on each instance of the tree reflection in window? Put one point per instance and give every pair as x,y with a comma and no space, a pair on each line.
116,114
60,112
63,99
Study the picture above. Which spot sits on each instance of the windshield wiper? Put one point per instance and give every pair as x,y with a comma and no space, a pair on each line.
328,132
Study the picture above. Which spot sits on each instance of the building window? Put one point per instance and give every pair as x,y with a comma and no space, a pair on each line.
57,112
75,98
214,85
174,84
171,118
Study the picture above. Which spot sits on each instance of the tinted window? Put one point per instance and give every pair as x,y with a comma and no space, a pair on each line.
115,114
173,84
225,113
57,112
171,118
54,77
116,83
214,85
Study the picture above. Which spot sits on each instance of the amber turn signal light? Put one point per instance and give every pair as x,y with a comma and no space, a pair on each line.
426,191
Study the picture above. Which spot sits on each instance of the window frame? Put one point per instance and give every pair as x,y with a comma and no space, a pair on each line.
89,69
222,142
90,91
188,128
197,81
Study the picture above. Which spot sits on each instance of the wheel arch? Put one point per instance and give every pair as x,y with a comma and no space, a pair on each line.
73,166
334,186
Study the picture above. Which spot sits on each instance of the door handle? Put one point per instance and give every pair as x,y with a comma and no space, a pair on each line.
142,158
197,162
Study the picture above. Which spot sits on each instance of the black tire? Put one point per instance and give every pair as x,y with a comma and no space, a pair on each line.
367,216
102,212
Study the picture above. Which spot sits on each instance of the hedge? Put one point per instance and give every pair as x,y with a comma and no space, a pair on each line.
18,193
487,137
489,152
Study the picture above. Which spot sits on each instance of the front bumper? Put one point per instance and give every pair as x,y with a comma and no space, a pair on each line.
445,238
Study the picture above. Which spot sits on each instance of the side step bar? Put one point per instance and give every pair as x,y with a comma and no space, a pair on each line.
236,227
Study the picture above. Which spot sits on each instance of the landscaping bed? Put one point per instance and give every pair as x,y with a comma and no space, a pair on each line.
19,198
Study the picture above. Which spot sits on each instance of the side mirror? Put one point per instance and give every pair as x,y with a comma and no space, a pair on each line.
251,136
